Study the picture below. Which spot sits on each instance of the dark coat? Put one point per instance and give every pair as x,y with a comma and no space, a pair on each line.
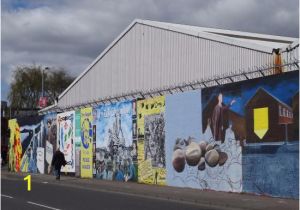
58,160
218,122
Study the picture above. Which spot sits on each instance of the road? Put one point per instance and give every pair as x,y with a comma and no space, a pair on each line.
50,196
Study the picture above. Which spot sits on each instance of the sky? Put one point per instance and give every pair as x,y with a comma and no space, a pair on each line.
70,34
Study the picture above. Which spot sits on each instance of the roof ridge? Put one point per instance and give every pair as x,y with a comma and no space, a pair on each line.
227,31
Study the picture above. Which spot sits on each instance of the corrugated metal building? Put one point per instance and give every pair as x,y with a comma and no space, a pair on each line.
151,55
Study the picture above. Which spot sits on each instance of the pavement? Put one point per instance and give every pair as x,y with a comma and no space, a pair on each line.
76,193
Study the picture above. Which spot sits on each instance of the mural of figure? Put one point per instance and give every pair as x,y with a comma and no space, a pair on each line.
134,150
229,135
109,168
218,117
119,174
100,165
32,167
51,135
31,139
116,134
131,171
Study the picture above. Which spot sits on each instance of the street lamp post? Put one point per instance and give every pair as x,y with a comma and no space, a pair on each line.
46,68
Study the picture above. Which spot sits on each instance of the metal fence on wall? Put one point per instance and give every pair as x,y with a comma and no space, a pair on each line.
242,75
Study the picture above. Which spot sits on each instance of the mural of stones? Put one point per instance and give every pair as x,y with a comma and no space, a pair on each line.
26,149
194,158
115,151
151,141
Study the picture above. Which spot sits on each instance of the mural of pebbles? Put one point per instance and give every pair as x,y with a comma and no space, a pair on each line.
193,154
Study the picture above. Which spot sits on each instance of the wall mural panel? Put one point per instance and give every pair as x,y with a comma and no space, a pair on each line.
65,139
50,138
77,142
271,111
15,146
261,116
115,152
26,152
194,158
86,157
151,141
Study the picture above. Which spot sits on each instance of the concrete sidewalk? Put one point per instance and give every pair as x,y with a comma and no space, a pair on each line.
218,200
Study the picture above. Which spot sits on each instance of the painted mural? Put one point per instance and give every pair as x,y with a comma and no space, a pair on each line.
15,146
65,139
240,137
271,111
194,158
259,115
26,152
49,135
77,142
151,141
114,144
86,156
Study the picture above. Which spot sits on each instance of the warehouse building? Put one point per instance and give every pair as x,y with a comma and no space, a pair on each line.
150,56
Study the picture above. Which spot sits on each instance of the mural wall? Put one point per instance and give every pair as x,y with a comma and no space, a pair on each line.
271,111
114,145
86,155
194,158
240,137
49,137
151,141
26,152
65,138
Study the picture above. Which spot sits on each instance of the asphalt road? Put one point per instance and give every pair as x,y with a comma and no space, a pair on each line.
49,196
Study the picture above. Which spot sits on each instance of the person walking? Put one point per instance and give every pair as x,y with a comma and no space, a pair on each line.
58,160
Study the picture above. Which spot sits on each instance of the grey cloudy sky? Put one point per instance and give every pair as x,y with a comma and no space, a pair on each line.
72,33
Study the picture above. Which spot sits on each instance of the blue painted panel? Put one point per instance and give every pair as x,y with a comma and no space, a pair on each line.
271,169
183,119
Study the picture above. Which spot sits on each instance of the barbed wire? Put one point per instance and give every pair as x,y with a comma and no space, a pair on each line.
227,78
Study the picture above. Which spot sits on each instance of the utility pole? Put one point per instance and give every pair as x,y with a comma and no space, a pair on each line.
46,68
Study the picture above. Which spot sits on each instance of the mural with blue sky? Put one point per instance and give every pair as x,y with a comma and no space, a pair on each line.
283,87
104,118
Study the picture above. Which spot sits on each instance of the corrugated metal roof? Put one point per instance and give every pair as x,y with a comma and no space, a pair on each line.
129,58
258,42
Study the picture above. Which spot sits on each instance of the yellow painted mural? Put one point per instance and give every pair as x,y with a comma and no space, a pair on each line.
151,141
86,158
15,147
148,107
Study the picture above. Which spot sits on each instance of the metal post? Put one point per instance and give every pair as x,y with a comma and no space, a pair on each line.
286,133
46,68
42,82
